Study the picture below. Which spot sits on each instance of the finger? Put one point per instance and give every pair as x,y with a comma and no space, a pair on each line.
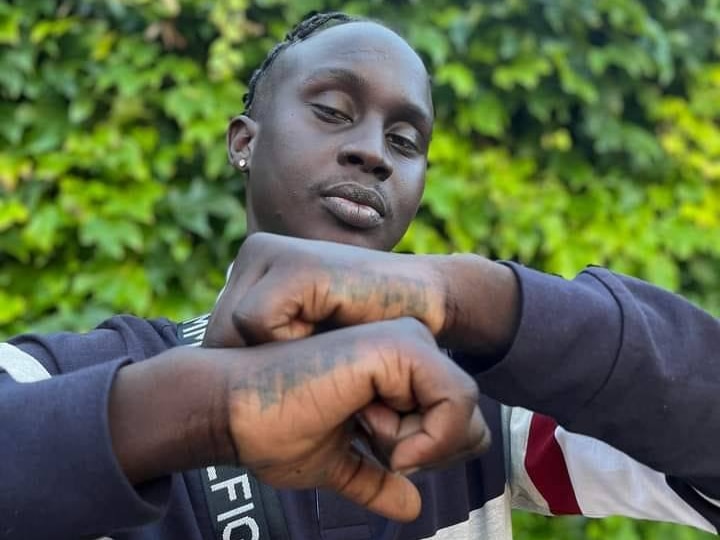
388,429
364,482
386,425
452,424
271,311
222,330
445,423
292,300
379,424
409,355
441,440
384,428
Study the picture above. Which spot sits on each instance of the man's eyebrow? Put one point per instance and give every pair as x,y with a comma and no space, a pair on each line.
417,116
342,76
350,80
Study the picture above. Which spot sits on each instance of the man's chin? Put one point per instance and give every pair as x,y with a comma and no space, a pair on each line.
366,238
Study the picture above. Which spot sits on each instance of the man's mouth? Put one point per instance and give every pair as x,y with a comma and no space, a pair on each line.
355,205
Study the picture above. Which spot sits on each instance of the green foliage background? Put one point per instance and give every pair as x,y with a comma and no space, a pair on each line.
568,132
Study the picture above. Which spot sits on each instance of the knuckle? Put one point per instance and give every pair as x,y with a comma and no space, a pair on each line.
247,324
410,340
480,438
258,241
485,441
471,389
467,398
252,241
413,327
262,237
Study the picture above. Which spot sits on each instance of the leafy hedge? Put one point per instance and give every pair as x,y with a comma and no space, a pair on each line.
568,132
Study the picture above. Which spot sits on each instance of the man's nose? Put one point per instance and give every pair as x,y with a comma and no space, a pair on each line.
365,149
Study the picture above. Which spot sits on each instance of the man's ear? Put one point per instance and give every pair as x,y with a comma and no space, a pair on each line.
240,141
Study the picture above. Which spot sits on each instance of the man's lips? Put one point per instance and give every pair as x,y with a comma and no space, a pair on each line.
355,205
358,194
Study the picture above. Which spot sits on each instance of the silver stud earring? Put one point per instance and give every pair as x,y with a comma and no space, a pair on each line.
241,163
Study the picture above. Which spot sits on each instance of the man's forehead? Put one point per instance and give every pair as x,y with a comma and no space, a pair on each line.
362,40
358,47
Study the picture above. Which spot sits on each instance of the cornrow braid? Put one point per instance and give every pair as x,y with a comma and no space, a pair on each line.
301,31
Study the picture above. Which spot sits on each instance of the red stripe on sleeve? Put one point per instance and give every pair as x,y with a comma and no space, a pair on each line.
545,464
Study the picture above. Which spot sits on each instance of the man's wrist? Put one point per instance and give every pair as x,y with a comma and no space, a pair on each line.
209,438
170,413
482,305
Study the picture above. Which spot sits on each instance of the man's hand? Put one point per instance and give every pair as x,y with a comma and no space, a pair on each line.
291,412
293,405
284,288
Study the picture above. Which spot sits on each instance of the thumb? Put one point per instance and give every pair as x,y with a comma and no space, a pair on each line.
360,479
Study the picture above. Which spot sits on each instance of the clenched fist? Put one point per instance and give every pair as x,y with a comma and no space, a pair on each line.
292,410
284,288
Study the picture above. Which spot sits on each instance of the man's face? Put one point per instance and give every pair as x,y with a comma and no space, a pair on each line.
341,145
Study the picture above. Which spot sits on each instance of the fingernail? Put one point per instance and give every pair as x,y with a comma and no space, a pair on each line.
364,425
408,471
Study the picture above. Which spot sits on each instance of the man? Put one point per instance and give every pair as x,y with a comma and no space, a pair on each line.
334,145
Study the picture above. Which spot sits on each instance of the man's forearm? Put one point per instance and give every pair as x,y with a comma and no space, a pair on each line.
620,360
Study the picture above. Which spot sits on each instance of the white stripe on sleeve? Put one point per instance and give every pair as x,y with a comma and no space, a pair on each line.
21,366
516,427
712,501
608,482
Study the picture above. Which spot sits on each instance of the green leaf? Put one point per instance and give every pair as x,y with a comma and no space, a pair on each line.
111,237
459,77
525,71
41,233
12,212
13,307
10,25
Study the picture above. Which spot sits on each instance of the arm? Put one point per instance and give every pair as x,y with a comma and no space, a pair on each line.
632,367
133,423
629,364
620,360
56,457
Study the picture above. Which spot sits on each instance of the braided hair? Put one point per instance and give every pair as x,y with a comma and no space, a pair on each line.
300,32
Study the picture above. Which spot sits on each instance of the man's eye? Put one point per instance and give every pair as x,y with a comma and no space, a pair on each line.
405,145
330,114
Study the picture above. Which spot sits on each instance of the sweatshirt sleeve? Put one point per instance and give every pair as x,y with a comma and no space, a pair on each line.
625,362
553,471
58,473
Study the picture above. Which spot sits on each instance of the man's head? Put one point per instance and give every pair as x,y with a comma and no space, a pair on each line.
336,134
